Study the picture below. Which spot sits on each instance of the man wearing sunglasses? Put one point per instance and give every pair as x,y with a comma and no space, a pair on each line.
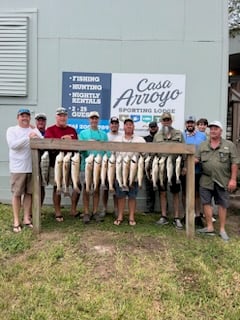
165,135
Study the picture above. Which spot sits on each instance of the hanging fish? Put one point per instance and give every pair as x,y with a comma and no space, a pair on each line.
140,171
169,170
111,172
58,171
147,167
133,170
66,173
178,169
89,172
44,166
75,171
155,170
161,170
125,172
97,164
119,176
104,171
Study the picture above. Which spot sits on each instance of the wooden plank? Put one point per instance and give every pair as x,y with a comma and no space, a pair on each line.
76,145
36,197
190,197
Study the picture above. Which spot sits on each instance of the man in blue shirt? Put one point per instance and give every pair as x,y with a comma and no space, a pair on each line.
192,136
93,133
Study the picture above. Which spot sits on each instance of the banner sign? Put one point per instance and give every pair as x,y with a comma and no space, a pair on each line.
141,97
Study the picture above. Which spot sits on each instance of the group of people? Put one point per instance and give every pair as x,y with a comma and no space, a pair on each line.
216,169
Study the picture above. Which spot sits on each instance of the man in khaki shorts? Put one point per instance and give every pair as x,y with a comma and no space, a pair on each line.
20,165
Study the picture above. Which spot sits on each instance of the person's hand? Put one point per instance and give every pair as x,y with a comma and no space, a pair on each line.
232,185
33,135
184,171
67,136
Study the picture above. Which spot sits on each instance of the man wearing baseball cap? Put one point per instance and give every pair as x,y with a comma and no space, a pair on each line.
41,121
193,136
165,135
219,160
93,133
60,130
20,165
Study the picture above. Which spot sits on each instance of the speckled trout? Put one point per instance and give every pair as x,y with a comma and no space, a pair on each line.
111,172
66,173
44,166
75,171
58,169
97,164
89,172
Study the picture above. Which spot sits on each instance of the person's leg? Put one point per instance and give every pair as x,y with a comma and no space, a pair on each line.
74,202
96,201
222,212
104,202
121,208
27,209
207,209
57,204
176,205
163,202
132,210
16,206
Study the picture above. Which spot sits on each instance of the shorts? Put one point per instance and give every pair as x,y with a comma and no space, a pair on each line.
220,195
197,182
131,194
21,183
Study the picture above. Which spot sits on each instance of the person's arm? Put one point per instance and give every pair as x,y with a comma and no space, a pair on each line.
14,142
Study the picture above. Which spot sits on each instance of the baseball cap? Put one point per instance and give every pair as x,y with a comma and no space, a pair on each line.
94,114
40,116
61,111
190,118
22,111
166,115
216,123
153,124
128,120
114,119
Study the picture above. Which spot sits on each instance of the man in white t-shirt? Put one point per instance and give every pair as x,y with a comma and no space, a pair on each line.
20,166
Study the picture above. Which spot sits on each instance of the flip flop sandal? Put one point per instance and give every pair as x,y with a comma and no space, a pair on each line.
132,223
117,222
28,225
17,229
59,218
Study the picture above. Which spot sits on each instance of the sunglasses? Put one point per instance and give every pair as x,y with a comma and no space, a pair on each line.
166,119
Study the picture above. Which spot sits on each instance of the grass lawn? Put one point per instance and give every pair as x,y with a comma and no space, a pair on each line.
101,271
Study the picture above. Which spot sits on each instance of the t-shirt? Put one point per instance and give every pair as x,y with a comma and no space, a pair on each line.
56,132
91,135
20,159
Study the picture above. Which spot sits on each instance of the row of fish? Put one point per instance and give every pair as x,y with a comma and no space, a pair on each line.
158,168
66,171
104,171
126,170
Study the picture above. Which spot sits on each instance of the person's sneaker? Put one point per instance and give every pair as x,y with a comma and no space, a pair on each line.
162,221
206,232
177,223
223,235
97,217
102,214
86,218
199,222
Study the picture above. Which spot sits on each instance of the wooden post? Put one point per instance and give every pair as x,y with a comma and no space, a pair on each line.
36,197
190,196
